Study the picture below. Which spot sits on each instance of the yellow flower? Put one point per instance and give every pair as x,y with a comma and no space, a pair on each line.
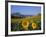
25,24
34,26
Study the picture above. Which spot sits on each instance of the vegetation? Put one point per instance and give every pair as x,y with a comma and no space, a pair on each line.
26,23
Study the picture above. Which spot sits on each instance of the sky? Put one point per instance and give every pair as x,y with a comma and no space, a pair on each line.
26,10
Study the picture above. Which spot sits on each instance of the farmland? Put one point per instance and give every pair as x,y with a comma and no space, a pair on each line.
26,23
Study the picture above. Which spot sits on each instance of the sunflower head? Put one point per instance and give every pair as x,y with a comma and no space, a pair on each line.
25,24
34,26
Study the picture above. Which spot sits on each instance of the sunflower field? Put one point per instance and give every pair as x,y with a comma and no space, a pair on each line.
26,23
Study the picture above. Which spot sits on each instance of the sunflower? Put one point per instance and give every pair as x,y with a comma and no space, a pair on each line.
25,24
34,26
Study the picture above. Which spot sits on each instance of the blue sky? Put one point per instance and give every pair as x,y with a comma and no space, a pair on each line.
26,10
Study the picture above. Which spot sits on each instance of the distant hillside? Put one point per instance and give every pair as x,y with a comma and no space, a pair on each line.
18,15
